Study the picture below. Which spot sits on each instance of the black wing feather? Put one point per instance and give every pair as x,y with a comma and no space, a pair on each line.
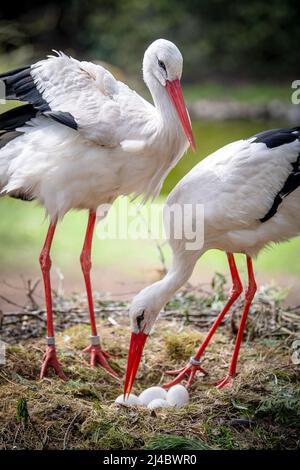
19,85
16,117
12,120
63,117
16,81
275,138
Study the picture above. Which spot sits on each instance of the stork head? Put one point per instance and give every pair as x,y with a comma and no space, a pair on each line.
163,60
143,312
162,66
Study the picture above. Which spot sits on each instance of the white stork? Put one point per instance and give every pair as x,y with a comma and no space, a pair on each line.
250,191
85,138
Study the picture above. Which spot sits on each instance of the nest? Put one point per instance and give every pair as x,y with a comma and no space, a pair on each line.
261,409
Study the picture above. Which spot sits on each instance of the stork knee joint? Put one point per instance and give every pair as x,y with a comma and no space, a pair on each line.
250,293
45,261
85,261
237,290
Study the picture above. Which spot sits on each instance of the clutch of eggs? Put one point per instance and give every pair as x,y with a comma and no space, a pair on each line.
157,397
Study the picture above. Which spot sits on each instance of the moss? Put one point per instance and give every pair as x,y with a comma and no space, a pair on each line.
181,346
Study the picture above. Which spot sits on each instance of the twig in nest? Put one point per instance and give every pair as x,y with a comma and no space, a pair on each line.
68,431
11,302
30,291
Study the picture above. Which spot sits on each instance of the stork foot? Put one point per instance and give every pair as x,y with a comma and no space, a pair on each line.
189,371
50,360
99,357
226,381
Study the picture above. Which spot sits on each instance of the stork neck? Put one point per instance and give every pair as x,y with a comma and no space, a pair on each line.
165,108
178,274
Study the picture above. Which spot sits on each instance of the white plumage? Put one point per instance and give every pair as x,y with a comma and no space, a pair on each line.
121,144
250,192
237,186
85,138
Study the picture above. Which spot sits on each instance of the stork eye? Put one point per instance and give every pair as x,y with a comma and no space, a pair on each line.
162,65
139,319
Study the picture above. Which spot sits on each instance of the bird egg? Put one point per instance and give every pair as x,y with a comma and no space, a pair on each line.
151,394
178,396
158,403
131,400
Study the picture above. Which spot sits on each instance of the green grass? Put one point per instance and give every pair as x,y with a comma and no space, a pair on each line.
23,227
283,409
173,442
220,436
22,231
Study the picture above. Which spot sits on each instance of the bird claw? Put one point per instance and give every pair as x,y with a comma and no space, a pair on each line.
189,370
50,360
226,381
99,357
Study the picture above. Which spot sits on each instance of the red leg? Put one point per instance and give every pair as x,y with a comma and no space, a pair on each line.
194,364
50,359
98,356
249,295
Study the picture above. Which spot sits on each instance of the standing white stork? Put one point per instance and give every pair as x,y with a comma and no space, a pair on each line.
250,191
83,140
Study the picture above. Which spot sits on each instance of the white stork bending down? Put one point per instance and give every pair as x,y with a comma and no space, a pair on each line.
83,140
250,190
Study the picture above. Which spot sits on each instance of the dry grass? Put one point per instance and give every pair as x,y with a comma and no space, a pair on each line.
260,410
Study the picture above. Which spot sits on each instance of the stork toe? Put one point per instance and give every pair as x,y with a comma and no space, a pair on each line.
99,357
189,371
225,381
50,360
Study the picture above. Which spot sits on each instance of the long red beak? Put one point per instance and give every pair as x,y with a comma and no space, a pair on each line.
136,347
175,92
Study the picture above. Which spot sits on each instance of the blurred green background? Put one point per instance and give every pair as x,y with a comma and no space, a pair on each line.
242,52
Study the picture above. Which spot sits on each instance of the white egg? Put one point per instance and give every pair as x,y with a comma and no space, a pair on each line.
158,403
178,396
151,394
131,400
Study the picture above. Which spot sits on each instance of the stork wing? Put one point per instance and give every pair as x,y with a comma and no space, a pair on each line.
83,96
244,184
